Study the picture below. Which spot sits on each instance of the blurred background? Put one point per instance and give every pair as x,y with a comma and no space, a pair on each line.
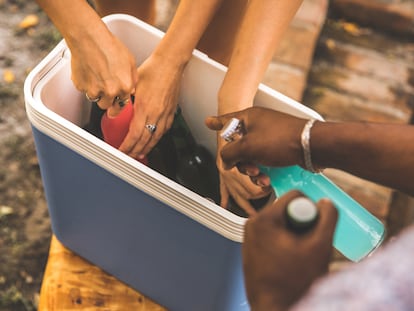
346,59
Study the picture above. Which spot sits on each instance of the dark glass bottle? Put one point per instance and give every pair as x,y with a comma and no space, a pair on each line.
257,204
94,124
163,158
196,167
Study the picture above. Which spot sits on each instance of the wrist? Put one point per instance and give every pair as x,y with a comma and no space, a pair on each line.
175,49
170,58
232,101
86,33
237,91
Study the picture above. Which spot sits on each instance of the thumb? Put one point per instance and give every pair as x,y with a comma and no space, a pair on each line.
216,123
113,111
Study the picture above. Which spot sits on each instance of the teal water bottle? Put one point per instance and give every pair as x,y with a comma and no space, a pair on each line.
357,232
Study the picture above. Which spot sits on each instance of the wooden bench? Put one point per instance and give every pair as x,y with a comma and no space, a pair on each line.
72,283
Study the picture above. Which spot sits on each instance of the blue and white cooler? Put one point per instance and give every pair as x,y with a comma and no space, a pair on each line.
167,242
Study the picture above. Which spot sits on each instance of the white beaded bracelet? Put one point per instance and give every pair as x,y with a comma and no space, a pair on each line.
305,140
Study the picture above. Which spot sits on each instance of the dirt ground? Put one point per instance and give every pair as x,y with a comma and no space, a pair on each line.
24,222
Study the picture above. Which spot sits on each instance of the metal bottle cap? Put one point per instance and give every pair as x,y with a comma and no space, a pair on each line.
301,214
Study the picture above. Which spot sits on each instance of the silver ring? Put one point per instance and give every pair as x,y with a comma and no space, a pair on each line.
151,128
93,100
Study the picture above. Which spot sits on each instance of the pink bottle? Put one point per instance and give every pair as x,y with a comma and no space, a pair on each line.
114,129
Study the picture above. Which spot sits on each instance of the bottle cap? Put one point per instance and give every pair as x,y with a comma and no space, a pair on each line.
230,129
301,214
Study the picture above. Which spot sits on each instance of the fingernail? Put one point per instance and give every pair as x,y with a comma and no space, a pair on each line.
251,173
325,200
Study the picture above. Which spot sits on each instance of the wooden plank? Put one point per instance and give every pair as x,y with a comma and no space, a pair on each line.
337,105
390,15
72,283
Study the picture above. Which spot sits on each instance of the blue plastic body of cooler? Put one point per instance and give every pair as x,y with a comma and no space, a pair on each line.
164,254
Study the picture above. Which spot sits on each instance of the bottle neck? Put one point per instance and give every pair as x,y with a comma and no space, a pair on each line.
181,134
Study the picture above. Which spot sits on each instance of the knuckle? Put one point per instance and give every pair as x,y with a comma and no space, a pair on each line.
93,92
103,105
111,90
111,93
126,87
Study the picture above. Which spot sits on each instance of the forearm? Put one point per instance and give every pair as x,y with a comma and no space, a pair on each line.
382,153
76,20
258,38
189,22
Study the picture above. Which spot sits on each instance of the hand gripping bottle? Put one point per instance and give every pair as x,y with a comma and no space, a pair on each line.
114,129
357,232
301,215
